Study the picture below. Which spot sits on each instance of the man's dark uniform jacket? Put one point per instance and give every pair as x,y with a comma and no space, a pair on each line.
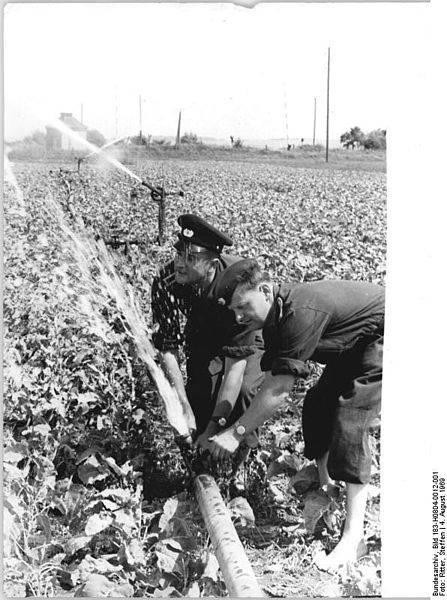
341,325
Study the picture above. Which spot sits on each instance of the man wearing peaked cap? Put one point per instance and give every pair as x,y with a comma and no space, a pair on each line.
228,281
336,323
222,358
200,236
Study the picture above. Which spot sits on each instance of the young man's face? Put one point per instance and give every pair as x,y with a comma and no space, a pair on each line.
191,268
251,306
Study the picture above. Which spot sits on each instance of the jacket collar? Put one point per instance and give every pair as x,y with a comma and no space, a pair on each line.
276,310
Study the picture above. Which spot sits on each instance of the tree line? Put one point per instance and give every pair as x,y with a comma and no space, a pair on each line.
355,138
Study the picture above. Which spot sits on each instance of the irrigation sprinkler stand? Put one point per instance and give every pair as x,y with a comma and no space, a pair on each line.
158,194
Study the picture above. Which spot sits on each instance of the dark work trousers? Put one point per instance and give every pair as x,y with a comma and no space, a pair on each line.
342,409
204,381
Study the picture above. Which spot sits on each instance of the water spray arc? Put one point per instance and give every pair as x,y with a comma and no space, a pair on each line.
235,567
158,193
237,572
108,145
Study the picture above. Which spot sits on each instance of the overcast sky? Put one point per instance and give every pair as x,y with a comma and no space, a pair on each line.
252,73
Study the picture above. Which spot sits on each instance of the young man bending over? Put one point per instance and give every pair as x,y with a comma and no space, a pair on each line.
336,323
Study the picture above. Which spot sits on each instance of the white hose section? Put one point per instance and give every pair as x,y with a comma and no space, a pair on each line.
236,569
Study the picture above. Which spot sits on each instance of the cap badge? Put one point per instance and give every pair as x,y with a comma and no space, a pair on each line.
188,233
221,301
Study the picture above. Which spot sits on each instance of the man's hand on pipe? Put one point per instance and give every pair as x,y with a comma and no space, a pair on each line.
224,444
202,441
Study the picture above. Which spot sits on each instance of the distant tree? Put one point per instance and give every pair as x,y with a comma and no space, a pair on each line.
189,138
37,137
375,140
95,137
32,147
238,143
352,138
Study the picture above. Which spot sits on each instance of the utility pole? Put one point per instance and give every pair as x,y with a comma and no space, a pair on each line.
141,122
327,113
116,115
285,114
177,141
315,120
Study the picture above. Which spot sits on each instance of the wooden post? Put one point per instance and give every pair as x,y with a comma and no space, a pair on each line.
177,140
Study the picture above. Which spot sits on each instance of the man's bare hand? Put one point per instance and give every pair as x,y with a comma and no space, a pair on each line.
224,444
202,441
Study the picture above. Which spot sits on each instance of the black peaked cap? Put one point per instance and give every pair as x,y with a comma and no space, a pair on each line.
228,280
195,230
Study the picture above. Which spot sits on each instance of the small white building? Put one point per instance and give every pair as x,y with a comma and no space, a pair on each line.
59,140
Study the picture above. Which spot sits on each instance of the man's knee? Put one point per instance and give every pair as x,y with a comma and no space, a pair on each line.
350,452
317,421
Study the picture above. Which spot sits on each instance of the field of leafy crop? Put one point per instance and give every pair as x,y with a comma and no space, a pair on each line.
97,497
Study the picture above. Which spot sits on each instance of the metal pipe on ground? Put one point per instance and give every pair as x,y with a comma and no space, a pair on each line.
233,562
236,570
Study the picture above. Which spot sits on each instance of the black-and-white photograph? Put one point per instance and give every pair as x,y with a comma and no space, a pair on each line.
197,258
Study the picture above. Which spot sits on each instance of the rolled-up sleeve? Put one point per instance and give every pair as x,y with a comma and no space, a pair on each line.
297,336
166,317
289,366
240,343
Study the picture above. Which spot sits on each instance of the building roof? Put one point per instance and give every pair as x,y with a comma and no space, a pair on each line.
70,121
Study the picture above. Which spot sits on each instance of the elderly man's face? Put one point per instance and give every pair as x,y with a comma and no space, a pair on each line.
251,306
191,268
